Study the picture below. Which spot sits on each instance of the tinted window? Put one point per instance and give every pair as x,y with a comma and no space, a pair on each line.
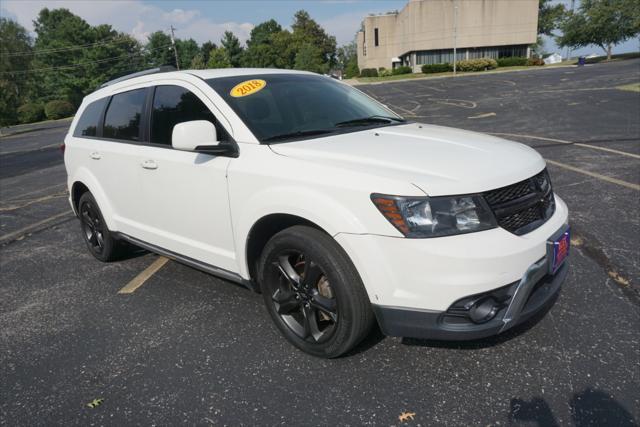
289,106
88,122
173,105
122,120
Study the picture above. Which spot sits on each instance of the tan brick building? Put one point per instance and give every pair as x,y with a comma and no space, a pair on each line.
423,32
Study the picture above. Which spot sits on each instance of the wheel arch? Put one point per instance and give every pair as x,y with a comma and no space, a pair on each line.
263,230
84,181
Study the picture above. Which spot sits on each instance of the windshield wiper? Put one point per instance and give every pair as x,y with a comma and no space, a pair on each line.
297,134
364,121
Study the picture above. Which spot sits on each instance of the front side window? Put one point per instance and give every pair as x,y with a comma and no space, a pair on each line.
122,120
88,122
301,106
173,105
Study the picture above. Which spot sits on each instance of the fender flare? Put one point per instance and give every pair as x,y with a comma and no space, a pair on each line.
85,177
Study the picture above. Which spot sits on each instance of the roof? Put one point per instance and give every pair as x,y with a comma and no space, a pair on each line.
125,81
232,72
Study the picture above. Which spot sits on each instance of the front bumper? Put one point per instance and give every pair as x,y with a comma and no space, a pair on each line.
534,293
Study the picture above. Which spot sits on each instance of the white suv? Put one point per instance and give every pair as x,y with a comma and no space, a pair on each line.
334,207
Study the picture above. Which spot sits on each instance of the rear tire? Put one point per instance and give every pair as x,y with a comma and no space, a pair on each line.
96,234
313,293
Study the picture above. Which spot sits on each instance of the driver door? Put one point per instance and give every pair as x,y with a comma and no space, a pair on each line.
185,193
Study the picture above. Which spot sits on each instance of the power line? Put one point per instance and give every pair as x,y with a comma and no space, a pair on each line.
67,48
82,64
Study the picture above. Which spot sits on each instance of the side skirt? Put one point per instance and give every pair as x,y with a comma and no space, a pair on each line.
199,265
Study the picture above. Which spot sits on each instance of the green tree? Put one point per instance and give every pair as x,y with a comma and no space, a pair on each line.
549,17
232,48
159,51
219,58
309,58
187,50
62,41
261,33
206,49
103,62
15,57
347,58
307,31
267,47
282,42
197,63
603,23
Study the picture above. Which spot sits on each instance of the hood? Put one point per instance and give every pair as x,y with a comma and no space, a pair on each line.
439,160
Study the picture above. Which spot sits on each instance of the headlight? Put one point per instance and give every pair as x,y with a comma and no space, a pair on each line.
435,216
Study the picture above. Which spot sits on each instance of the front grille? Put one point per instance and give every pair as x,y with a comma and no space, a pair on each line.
524,206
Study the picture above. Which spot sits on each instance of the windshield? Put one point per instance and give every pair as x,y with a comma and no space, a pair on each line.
286,107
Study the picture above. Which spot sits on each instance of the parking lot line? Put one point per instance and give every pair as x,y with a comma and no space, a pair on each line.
29,228
561,141
595,175
143,276
19,204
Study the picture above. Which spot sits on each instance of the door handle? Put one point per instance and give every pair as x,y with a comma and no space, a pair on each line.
95,155
149,164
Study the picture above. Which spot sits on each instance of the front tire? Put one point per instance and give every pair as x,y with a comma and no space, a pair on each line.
313,292
95,232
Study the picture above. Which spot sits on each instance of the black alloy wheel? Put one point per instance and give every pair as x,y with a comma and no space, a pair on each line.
92,226
313,292
303,298
95,232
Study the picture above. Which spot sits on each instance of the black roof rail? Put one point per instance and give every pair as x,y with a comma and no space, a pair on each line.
162,69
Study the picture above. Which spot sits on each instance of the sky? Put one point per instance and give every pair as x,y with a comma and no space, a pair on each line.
208,20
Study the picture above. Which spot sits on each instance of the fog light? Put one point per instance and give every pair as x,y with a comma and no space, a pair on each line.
484,310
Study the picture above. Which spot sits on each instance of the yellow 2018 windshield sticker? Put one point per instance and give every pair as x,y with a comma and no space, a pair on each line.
248,87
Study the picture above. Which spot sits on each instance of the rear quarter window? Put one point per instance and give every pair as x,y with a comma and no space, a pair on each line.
90,118
123,116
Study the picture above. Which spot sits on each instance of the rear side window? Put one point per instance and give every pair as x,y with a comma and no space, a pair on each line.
173,105
88,122
122,120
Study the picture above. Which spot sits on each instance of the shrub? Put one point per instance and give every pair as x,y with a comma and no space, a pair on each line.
512,61
402,70
436,68
352,70
385,73
479,64
58,109
368,72
31,112
535,61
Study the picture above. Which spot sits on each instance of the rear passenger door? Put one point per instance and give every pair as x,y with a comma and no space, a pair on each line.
118,156
185,193
109,129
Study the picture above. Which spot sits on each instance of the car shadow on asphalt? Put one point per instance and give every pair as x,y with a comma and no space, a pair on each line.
590,407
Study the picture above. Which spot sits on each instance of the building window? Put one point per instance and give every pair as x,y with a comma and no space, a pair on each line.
364,43
375,37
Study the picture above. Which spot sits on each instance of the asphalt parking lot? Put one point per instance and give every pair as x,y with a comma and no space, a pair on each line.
187,348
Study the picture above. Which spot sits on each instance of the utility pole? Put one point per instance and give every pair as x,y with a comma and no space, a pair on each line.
455,35
175,50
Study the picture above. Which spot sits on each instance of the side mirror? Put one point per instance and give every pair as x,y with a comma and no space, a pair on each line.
188,136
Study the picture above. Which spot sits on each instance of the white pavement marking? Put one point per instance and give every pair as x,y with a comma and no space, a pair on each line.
482,116
16,234
595,175
145,275
561,141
